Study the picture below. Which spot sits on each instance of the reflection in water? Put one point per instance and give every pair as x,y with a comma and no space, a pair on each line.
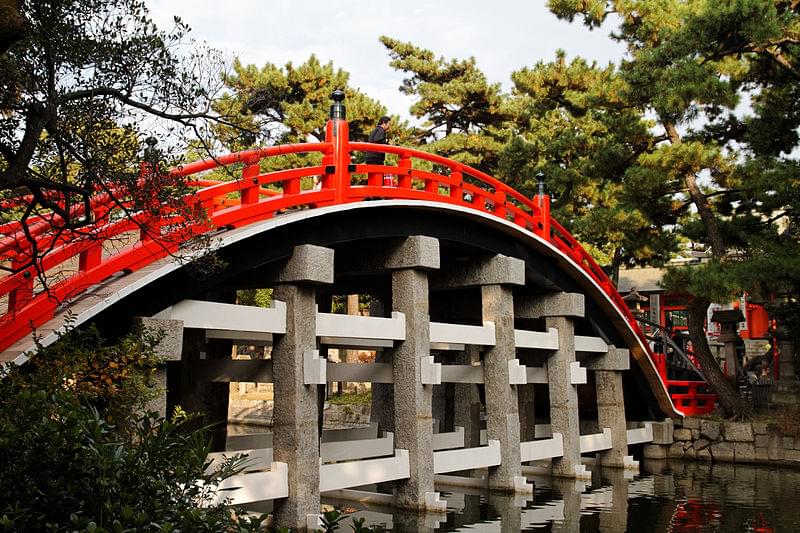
667,496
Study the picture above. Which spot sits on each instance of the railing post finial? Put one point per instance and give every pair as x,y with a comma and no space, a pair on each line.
337,108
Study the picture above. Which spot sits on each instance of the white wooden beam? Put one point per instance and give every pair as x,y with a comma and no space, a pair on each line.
590,344
243,319
357,473
462,373
355,330
444,333
641,435
254,487
596,442
449,441
536,450
539,340
467,458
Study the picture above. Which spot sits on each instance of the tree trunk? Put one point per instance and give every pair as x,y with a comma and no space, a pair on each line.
729,399
700,201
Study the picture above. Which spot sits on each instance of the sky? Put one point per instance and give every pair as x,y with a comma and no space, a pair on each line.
503,36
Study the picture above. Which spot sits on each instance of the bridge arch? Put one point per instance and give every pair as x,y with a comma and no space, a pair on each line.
512,249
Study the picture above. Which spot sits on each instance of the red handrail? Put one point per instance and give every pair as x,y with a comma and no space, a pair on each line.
248,199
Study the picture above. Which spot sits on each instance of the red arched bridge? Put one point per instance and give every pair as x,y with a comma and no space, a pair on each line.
472,284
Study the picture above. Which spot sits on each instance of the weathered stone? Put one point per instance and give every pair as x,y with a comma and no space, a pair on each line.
614,359
775,448
762,441
722,451
564,417
675,451
655,451
762,454
496,270
502,415
701,444
689,453
709,429
738,431
760,428
663,432
170,347
677,422
308,264
417,251
553,304
704,455
682,434
744,452
691,423
295,412
413,423
611,414
793,455
788,443
695,434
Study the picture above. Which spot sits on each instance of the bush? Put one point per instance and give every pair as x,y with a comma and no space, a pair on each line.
67,466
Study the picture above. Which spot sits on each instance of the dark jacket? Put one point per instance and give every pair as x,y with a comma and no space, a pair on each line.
378,136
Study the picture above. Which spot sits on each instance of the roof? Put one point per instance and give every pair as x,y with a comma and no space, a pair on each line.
642,279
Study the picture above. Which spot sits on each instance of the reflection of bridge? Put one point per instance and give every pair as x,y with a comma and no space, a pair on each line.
475,289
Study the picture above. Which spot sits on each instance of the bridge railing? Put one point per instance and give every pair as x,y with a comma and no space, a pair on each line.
84,258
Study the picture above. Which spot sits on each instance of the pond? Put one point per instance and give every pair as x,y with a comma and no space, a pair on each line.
665,496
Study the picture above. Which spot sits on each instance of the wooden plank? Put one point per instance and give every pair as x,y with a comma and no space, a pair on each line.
358,473
467,458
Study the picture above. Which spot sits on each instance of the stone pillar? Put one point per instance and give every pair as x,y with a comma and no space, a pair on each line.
502,415
571,493
295,430
786,356
382,409
169,349
508,507
413,421
467,402
611,404
495,276
729,321
617,518
527,415
413,428
559,309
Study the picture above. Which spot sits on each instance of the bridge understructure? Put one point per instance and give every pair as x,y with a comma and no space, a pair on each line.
499,345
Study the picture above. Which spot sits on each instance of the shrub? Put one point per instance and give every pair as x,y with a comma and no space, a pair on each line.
68,466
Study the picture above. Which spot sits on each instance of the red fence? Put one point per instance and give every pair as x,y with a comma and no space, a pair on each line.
84,259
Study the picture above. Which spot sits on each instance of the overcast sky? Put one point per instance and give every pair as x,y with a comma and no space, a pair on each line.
503,36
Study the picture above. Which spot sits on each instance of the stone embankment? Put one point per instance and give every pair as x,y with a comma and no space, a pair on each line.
730,442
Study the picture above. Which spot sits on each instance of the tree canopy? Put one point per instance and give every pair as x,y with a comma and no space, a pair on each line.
82,84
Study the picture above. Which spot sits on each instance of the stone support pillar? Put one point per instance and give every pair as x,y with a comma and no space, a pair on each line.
467,402
559,309
527,415
502,415
611,405
410,262
495,275
295,431
169,349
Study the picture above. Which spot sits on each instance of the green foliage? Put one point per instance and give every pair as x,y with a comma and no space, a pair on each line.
464,115
254,297
351,399
79,454
88,80
275,105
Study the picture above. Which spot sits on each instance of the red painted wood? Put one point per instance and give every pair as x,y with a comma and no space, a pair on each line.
256,202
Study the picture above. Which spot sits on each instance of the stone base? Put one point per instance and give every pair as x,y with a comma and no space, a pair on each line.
785,393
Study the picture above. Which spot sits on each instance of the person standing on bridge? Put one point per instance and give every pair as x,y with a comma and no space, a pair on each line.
378,136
